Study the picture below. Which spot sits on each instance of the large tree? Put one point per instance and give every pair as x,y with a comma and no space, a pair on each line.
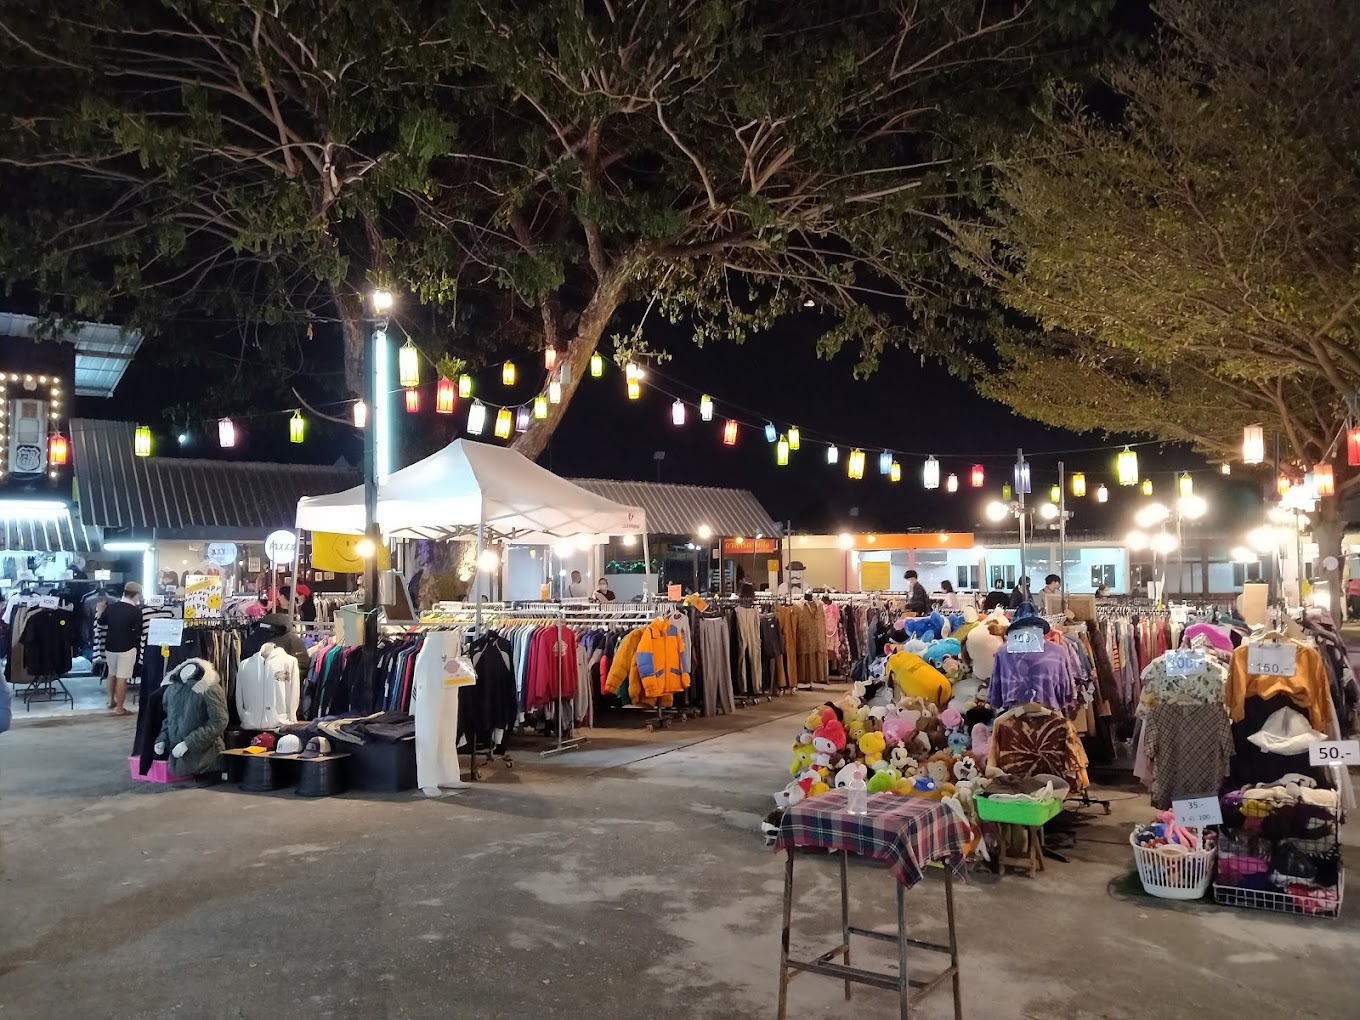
1188,240
517,171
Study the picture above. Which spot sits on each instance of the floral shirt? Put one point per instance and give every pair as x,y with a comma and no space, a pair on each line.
1205,687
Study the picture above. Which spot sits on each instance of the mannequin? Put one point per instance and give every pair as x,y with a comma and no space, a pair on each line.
434,703
195,718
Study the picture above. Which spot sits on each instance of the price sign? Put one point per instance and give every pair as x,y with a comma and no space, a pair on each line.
1271,658
1184,662
48,602
1197,812
1024,639
103,575
165,632
156,601
1334,752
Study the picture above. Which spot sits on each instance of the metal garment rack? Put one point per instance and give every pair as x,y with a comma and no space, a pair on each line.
628,615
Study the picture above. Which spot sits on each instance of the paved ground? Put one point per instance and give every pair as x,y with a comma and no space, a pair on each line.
622,881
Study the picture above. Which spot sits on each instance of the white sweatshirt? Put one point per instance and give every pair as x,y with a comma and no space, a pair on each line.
268,689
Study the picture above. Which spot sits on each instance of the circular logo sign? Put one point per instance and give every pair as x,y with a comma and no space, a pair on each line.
281,547
221,553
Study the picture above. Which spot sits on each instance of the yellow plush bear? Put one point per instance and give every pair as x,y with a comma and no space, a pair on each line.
802,758
871,746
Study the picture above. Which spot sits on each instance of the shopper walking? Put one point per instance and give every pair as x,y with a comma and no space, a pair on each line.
122,623
1020,593
918,599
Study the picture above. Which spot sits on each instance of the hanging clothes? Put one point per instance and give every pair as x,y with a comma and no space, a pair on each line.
434,703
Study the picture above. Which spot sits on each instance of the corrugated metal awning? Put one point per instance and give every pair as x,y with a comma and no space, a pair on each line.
683,509
118,489
59,533
103,351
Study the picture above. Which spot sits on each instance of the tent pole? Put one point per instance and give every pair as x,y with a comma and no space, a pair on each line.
476,577
647,569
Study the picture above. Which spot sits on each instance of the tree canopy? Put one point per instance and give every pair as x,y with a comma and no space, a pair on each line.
1188,241
514,171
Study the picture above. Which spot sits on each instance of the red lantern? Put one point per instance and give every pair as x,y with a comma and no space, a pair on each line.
1324,480
1353,446
977,476
445,397
550,358
730,434
412,400
57,450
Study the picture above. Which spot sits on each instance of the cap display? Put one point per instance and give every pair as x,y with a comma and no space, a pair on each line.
264,740
316,747
289,743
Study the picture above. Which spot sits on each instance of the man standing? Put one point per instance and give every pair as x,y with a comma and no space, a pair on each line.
918,599
577,588
122,623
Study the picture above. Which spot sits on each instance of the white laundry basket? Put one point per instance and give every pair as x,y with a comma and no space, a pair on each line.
1174,872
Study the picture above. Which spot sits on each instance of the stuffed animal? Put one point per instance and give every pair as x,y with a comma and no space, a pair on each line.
826,741
958,742
938,767
982,740
872,745
952,718
813,720
897,729
901,758
904,786
965,769
881,782
802,758
849,773
817,789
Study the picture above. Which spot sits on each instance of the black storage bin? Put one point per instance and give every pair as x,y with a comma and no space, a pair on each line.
380,767
321,777
235,766
263,772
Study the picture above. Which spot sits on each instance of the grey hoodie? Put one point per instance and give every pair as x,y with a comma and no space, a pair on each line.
195,712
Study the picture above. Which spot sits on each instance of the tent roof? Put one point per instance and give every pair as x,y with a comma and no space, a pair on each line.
449,493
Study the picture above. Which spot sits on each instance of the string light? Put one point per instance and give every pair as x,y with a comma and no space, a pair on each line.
795,437
1054,494
1147,486
1253,444
885,462
930,474
706,408
226,433
554,392
894,472
297,428
141,441
977,476
634,389
464,386
1078,484
1324,479
951,484
57,450
445,397
596,366
1225,468
1102,494
1185,484
1126,467
508,374
730,433
360,413
854,464
504,423
833,454
408,365
541,407
412,401
550,358
678,413
476,418
770,434
522,418
781,451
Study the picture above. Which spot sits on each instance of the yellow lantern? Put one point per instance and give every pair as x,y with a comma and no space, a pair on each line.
634,389
1126,467
464,386
596,366
795,437
854,464
1186,484
1147,486
408,365
297,427
1054,494
781,451
508,374
504,423
1078,484
141,441
1253,444
894,472
541,407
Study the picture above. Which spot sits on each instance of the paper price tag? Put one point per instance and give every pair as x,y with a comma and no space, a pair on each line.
1024,639
1334,752
165,633
1271,658
48,602
1184,662
1197,812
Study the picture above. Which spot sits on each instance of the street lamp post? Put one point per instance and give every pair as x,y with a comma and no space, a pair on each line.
374,391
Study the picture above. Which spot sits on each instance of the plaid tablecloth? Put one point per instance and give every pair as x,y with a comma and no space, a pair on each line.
906,832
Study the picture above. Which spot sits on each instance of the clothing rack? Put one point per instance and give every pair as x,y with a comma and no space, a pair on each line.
634,615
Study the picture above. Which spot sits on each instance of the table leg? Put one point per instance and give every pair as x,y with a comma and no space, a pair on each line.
953,940
784,937
904,984
845,917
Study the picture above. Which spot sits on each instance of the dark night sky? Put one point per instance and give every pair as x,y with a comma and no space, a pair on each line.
904,406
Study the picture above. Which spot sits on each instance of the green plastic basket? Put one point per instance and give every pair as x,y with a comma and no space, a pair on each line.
1017,812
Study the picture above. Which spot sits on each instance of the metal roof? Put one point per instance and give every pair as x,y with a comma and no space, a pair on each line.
103,351
184,496
60,533
683,509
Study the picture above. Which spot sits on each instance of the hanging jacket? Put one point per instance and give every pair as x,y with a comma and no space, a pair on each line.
196,714
268,688
662,658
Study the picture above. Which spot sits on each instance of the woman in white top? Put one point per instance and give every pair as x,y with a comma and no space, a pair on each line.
951,602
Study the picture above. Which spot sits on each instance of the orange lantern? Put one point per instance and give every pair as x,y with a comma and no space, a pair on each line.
57,450
1324,480
730,433
412,400
445,397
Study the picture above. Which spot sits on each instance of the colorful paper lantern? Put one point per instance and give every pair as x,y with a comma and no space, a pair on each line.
1078,484
359,412
1022,477
297,428
408,365
550,358
930,474
412,397
1007,493
730,433
596,366
1147,486
57,450
541,407
1324,479
951,484
508,374
977,476
833,455
854,464
1102,494
464,386
706,408
634,389
781,451
1126,467
226,433
678,413
554,392
1282,484
1054,494
770,432
141,441
885,463
504,423
522,418
795,438
894,472
445,397
476,418
1253,444
1185,484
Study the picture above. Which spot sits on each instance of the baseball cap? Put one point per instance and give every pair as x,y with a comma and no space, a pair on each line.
316,747
289,743
266,741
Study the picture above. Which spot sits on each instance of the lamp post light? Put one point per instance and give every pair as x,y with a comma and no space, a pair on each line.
376,438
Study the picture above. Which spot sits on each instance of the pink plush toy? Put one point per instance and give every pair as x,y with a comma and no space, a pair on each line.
982,740
952,718
897,729
1178,833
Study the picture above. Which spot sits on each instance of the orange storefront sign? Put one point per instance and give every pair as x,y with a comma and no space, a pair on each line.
737,546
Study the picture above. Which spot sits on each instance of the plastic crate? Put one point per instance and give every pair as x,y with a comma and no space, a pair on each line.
1017,812
158,773
1173,872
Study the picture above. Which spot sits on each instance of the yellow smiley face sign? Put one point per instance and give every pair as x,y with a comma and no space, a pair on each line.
338,553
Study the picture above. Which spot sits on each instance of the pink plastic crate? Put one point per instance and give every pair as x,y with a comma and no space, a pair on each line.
159,773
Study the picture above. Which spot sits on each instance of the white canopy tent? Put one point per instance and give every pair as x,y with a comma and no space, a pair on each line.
469,490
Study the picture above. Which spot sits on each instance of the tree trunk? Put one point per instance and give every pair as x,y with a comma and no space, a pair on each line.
350,307
1328,532
594,319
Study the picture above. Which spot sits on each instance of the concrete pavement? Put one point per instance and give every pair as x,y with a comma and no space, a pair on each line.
625,880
